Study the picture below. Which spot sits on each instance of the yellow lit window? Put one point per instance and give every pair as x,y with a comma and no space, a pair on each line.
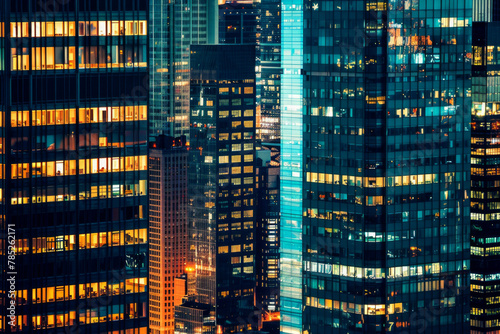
236,124
223,249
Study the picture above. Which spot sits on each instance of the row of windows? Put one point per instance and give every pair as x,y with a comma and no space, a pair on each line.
485,171
235,90
235,226
358,200
380,273
224,159
377,182
490,240
85,28
482,109
89,316
484,217
235,248
70,194
329,111
235,136
72,116
423,285
22,322
236,214
236,181
85,290
379,309
85,241
234,170
64,57
484,311
85,166
490,251
234,113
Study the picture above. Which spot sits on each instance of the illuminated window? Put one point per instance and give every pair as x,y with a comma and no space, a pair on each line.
223,249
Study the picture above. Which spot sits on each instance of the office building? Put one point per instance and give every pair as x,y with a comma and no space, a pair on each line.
168,238
247,22
485,176
174,27
375,182
192,317
239,22
221,181
270,70
74,164
267,232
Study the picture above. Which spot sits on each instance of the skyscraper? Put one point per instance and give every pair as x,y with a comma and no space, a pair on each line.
73,78
221,181
239,23
267,232
175,26
485,210
168,238
375,166
270,70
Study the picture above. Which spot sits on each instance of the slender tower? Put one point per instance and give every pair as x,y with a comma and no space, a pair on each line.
485,206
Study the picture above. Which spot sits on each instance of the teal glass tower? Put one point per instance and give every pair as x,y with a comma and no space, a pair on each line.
375,181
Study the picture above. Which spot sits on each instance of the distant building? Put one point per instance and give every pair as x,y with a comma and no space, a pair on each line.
222,186
270,71
175,26
194,318
168,235
259,22
239,23
267,232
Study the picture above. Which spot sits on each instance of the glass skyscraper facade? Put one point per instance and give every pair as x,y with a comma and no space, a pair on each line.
74,116
221,182
270,70
239,23
267,233
291,171
375,126
174,27
485,176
